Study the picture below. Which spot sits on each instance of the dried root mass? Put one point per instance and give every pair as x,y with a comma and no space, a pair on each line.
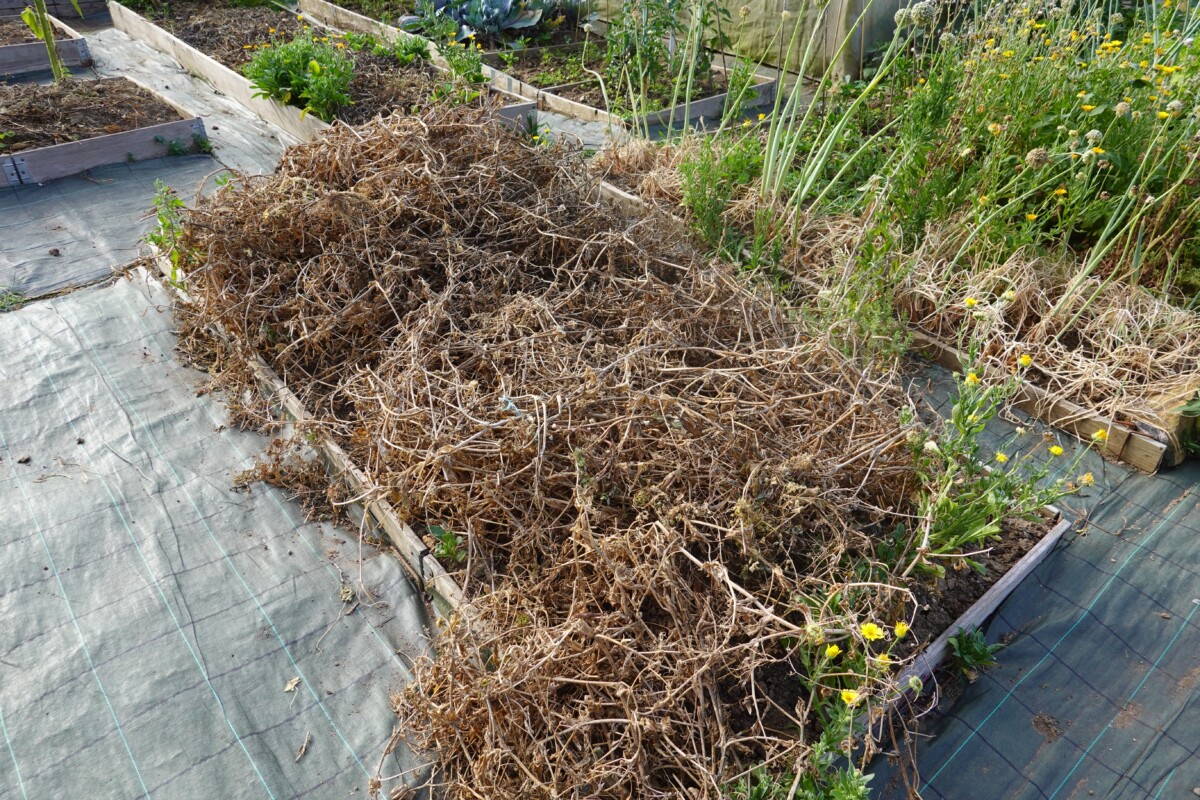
654,466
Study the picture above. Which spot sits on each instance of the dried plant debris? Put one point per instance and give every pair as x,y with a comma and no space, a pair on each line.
290,465
660,475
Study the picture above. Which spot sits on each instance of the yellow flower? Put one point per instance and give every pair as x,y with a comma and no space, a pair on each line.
871,631
833,651
1055,450
1163,115
1087,479
1100,435
972,379
883,658
970,302
1008,53
1031,217
1098,151
1001,458
1025,360
746,124
1009,296
983,199
994,128
761,117
901,629
1060,191
849,696
1086,107
270,30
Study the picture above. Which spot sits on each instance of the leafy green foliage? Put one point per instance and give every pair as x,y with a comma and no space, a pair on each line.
304,72
405,50
10,300
168,228
970,651
450,546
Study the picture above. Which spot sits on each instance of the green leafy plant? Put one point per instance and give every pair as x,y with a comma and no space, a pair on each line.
38,20
449,545
970,652
304,72
168,229
405,50
10,300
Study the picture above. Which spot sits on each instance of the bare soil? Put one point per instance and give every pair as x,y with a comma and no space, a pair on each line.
383,10
549,67
941,602
37,116
658,98
231,35
15,32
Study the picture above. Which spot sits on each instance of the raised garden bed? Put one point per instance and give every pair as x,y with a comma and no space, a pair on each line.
21,51
58,130
63,9
1139,446
213,41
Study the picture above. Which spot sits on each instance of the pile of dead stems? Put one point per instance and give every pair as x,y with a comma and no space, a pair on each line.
667,487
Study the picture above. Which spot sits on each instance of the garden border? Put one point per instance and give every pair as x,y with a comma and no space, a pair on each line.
300,126
333,15
1135,448
16,59
931,656
42,164
376,513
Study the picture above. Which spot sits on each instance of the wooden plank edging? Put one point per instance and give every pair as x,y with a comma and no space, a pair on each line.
44,164
1133,447
431,578
931,656
302,127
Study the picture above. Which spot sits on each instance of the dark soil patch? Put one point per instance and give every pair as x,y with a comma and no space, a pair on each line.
15,32
230,35
388,11
658,99
38,116
1048,727
549,67
940,603
226,33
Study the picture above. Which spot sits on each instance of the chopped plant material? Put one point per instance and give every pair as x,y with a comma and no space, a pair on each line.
224,30
38,116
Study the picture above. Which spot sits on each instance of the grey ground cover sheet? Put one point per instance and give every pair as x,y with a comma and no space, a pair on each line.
160,634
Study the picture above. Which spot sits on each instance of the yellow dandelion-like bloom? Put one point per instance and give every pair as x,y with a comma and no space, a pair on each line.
1055,450
983,199
870,631
1100,435
1163,115
1060,191
1087,107
1025,360
1008,53
833,651
1001,458
994,128
970,302
972,379
901,629
883,658
761,117
1099,151
1031,217
1087,479
849,696
746,124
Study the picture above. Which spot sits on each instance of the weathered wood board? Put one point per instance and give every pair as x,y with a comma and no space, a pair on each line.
372,506
57,161
59,8
288,118
16,59
1133,447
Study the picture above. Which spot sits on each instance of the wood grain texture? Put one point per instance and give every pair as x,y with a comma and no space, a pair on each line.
57,161
16,59
1135,448
302,127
